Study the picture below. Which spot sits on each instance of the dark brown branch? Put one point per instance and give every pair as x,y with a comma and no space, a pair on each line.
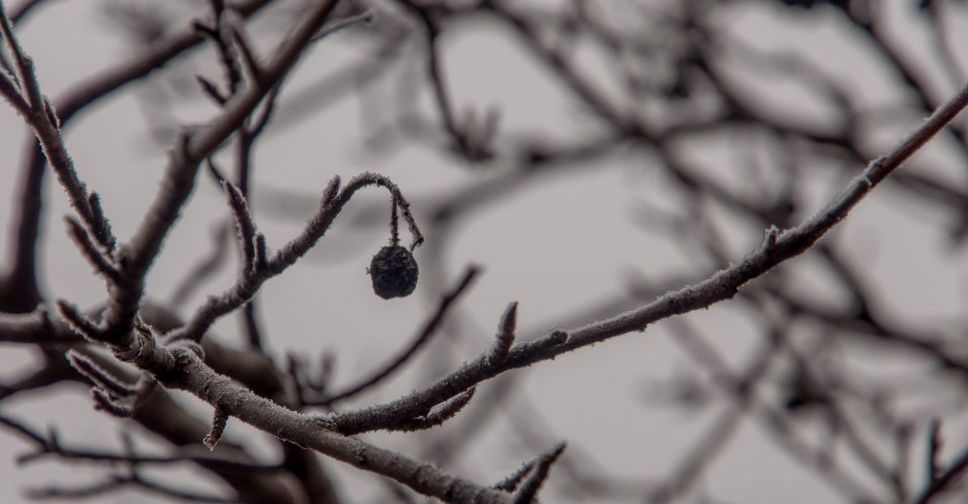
22,277
46,127
96,258
248,56
528,492
935,444
99,377
344,23
189,373
720,286
145,245
243,223
10,91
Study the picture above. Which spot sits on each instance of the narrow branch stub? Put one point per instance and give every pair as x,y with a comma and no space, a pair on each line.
505,334
104,401
78,322
249,58
769,242
220,419
935,443
528,493
438,416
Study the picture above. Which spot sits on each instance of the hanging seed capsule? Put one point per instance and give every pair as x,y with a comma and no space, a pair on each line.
394,272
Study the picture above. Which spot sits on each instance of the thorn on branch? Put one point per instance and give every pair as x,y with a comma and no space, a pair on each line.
261,260
99,377
78,322
295,369
511,482
244,224
437,417
204,29
211,91
102,228
269,106
109,392
505,334
935,444
10,90
103,401
227,56
364,17
215,171
51,113
528,492
329,194
89,250
219,419
248,56
769,242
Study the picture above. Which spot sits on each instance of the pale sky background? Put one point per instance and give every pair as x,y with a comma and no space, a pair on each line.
556,246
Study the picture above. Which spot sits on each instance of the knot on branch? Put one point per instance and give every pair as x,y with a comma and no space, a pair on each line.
184,352
139,346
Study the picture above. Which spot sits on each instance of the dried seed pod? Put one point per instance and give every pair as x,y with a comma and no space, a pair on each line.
394,272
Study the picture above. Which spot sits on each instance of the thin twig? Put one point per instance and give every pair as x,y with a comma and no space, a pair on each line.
430,327
341,24
527,493
722,285
945,479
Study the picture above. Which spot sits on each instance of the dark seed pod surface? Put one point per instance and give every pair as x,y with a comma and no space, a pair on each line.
394,272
